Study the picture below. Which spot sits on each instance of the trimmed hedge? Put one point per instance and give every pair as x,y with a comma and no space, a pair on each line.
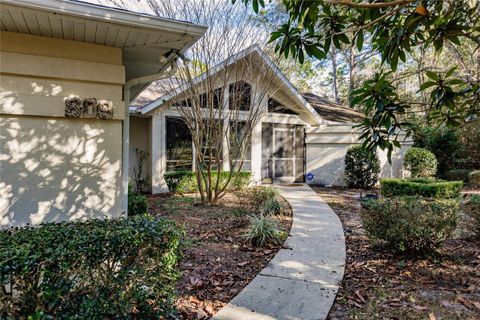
420,162
457,175
185,181
421,187
98,269
410,223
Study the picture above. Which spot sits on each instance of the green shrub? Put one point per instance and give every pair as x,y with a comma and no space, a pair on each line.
186,182
137,203
98,269
182,181
261,195
263,230
473,209
420,162
474,178
444,143
271,206
419,187
410,224
458,175
362,168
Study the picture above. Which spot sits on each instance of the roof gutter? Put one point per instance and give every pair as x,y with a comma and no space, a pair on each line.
126,122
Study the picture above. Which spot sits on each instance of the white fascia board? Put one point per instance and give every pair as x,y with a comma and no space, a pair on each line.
255,48
107,14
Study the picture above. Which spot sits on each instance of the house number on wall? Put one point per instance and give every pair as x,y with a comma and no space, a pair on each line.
88,108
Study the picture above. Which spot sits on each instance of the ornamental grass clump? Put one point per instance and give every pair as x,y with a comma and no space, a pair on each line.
263,230
271,206
410,224
97,269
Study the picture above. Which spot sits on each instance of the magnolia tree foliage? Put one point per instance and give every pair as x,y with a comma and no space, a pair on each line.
395,29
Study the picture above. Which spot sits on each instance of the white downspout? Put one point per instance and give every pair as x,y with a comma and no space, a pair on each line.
126,122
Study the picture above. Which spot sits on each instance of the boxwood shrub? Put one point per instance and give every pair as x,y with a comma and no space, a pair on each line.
420,162
362,168
98,269
410,224
424,187
474,178
185,181
473,209
137,203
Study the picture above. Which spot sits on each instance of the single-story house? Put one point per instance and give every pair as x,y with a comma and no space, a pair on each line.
68,71
299,137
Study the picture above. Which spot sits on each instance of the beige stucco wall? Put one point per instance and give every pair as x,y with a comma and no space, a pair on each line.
140,138
326,149
54,168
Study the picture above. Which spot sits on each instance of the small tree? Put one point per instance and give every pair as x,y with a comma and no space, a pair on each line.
220,90
420,162
139,177
362,168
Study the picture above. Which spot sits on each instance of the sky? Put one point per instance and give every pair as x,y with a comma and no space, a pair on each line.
260,36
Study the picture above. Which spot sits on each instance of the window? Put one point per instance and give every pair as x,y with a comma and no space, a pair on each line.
240,96
217,99
277,107
179,145
237,140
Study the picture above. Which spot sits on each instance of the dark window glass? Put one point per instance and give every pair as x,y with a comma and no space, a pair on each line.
183,103
277,107
237,135
240,96
216,99
179,145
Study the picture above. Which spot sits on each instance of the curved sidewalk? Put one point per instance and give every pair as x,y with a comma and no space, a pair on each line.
300,282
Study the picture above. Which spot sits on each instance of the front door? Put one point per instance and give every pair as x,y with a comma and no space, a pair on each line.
283,155
282,152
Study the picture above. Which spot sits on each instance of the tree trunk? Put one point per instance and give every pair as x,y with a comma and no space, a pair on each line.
334,75
351,75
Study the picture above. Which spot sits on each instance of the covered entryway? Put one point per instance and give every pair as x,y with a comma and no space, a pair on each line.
283,153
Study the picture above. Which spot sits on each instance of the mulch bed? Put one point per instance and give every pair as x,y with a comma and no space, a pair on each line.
380,285
217,263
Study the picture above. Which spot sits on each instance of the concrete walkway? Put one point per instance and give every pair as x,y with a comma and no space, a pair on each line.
300,282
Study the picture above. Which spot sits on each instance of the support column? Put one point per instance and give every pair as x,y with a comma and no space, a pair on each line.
257,153
226,125
226,149
158,156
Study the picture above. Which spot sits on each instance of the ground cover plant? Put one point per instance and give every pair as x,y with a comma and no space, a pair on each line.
379,284
218,260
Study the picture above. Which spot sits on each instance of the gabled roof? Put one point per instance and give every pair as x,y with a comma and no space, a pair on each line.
294,93
143,38
332,111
